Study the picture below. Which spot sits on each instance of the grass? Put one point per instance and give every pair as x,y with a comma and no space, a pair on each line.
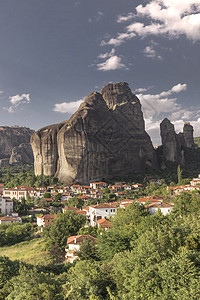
31,252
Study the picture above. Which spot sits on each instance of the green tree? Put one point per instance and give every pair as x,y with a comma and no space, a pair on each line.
88,250
65,225
31,284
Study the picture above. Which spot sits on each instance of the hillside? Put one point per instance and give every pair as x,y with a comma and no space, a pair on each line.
30,252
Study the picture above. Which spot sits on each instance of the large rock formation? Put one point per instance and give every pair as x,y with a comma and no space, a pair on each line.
173,144
104,138
15,145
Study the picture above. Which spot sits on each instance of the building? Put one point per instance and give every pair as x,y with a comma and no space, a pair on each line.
6,205
45,220
164,208
74,243
7,219
105,224
18,192
101,211
98,185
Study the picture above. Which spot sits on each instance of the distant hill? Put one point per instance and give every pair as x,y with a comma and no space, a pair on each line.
197,141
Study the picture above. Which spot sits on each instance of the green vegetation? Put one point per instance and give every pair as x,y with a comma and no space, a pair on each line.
56,235
142,256
11,234
31,252
24,175
197,141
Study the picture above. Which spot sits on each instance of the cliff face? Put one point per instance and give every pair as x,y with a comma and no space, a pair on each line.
15,145
104,138
174,144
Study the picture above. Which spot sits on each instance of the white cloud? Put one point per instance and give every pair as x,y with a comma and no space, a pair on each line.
112,63
150,52
16,101
128,17
156,107
107,54
163,17
67,107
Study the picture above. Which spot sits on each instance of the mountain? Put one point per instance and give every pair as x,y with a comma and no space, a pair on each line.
104,138
15,148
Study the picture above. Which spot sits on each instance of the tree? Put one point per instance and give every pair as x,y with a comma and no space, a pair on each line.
88,250
31,284
47,195
89,281
65,225
57,196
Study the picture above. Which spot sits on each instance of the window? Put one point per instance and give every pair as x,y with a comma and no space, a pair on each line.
106,210
111,210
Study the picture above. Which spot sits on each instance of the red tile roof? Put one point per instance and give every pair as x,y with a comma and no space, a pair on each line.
78,239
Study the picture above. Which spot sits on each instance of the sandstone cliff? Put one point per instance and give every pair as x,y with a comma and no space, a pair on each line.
173,144
15,145
104,138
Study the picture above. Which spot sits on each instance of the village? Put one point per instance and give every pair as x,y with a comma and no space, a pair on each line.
98,213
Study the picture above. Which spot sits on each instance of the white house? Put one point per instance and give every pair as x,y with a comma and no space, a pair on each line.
4,220
98,185
101,211
19,192
6,205
164,208
74,243
45,220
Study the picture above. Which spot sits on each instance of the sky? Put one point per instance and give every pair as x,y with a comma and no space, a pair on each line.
54,53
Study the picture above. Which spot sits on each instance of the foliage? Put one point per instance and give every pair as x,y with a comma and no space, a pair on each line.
91,230
186,203
88,280
65,225
11,234
24,175
75,202
88,250
31,284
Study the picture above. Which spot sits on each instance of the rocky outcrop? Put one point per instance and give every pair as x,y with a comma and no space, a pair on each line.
173,144
15,145
104,138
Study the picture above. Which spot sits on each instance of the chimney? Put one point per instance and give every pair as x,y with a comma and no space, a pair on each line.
75,240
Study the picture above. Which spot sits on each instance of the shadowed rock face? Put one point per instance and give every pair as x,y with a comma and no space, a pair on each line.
104,138
15,145
173,143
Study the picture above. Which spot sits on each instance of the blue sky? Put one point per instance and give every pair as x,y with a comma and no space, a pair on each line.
54,53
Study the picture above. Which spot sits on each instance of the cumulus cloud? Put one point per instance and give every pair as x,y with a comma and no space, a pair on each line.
112,63
155,104
68,107
17,101
163,17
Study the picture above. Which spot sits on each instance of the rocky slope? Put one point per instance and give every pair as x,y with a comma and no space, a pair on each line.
104,138
15,145
173,144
